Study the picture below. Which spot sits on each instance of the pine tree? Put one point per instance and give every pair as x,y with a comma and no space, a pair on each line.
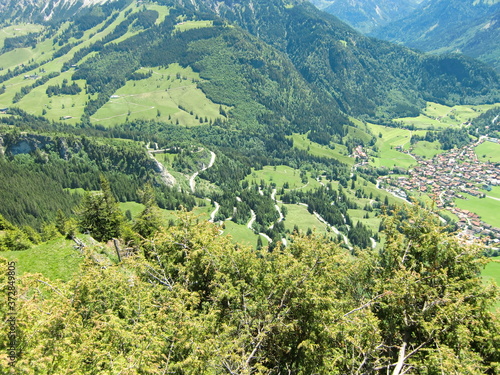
259,243
100,214
149,220
434,310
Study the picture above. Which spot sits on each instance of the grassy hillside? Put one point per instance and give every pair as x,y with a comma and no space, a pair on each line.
335,151
488,152
169,95
56,259
391,142
486,208
439,116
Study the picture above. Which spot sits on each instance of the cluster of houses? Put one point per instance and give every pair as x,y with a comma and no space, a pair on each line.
455,174
359,154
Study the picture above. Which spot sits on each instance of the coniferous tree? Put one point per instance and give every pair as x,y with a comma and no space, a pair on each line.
100,214
433,309
149,220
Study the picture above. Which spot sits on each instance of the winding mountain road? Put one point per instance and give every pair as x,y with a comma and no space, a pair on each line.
166,177
214,212
252,220
192,182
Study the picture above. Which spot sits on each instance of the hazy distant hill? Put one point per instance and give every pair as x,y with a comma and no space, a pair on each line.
471,27
365,15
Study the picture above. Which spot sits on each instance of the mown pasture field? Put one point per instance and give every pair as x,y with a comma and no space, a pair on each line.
189,25
240,234
298,216
488,152
389,140
339,153
280,175
426,149
438,116
495,192
169,95
486,208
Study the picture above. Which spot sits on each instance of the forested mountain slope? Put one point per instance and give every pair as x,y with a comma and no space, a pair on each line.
365,76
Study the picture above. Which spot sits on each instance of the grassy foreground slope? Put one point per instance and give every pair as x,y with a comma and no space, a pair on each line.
55,259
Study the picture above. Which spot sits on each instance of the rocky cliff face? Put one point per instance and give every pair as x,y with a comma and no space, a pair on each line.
24,143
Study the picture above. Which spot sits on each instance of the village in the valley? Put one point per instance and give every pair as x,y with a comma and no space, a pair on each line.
456,174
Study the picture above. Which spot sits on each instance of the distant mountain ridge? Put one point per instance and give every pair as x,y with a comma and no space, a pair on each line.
471,27
366,15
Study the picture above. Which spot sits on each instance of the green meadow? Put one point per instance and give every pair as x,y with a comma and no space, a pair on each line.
488,152
163,11
340,152
56,259
134,208
18,56
279,175
240,234
370,189
189,25
18,30
15,57
170,95
202,211
388,139
36,101
439,116
56,107
298,216
372,222
495,192
426,149
358,133
486,208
